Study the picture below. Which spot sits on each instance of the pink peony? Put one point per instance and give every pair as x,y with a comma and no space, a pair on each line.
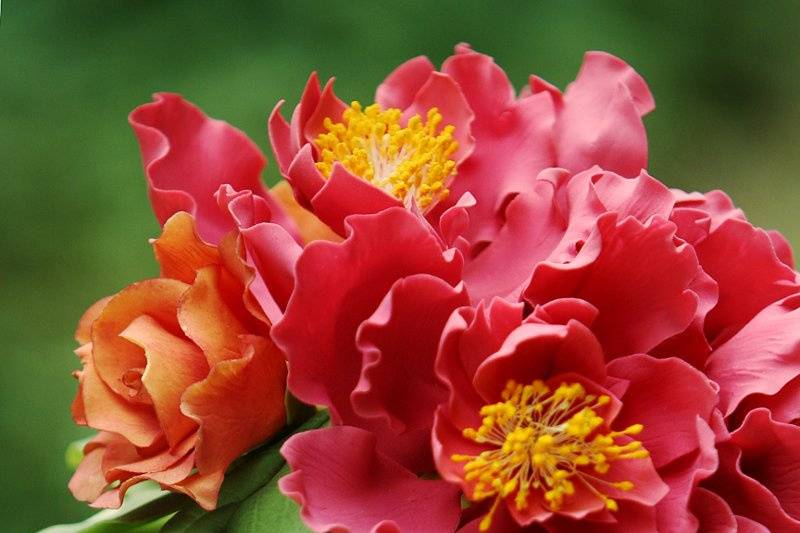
328,151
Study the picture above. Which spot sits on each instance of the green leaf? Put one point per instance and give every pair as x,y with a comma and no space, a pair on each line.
267,510
146,508
255,473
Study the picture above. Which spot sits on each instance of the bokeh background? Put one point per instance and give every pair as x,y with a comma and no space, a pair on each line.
75,217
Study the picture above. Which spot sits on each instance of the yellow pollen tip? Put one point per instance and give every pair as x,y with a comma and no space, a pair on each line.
413,163
546,442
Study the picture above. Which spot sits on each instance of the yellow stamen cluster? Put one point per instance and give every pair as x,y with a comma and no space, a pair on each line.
543,440
411,163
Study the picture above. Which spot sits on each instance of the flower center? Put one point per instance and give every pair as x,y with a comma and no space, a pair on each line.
546,441
411,163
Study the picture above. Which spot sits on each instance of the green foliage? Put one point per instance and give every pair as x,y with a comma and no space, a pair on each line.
249,500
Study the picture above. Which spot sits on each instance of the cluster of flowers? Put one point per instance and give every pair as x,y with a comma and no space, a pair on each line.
512,325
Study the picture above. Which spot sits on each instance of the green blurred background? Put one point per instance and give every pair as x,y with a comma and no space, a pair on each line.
75,217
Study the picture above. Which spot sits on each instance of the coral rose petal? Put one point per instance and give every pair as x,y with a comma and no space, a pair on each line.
114,356
180,251
343,484
238,405
207,320
172,365
105,410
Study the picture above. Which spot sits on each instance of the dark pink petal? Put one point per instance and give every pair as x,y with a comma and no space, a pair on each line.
282,139
318,334
637,278
441,92
342,483
486,87
512,148
761,358
303,176
683,476
746,525
399,344
713,514
344,194
784,406
667,396
782,248
187,156
600,123
329,106
540,351
401,86
758,469
739,255
533,229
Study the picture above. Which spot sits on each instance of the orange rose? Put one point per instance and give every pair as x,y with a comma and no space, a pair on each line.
179,374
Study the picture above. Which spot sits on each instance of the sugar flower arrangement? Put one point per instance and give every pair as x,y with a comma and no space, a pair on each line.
465,308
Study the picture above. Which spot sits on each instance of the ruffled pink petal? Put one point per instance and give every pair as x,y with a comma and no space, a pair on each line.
712,513
403,83
668,433
512,149
282,139
317,333
187,156
761,358
637,278
442,92
757,476
738,255
329,106
533,229
399,344
344,194
484,84
303,176
342,483
469,337
600,123
540,351
683,475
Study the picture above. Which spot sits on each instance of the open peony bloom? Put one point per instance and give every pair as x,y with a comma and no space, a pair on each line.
540,428
435,138
361,333
179,374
